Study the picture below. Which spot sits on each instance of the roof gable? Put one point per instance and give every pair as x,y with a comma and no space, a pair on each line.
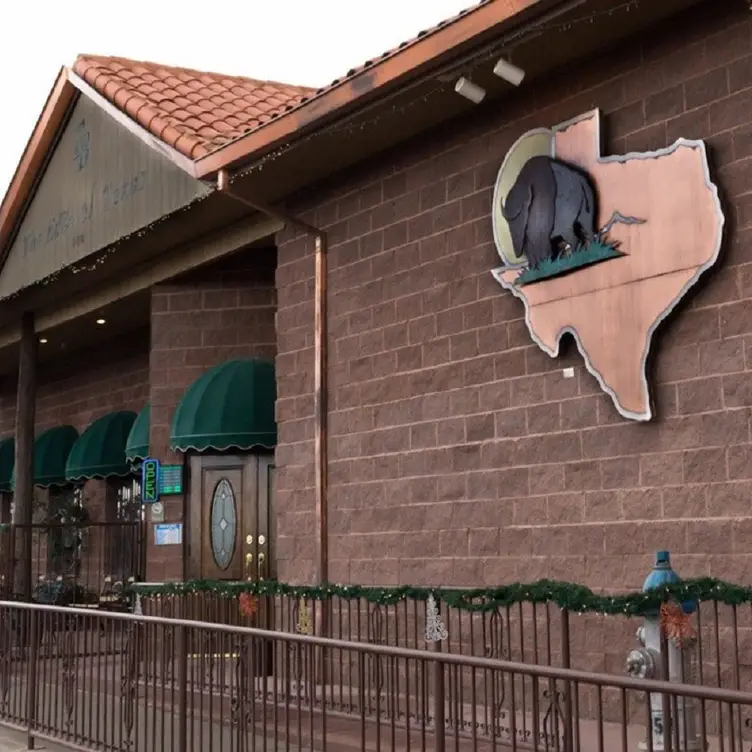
42,139
101,184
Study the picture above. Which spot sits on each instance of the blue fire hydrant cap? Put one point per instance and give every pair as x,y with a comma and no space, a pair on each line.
662,574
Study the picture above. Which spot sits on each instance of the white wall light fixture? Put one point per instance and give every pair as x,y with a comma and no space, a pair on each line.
510,73
466,88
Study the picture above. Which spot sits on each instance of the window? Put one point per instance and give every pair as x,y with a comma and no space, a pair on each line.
223,524
123,536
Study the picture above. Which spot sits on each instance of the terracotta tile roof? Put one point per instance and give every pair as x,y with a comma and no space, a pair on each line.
385,69
403,45
192,111
197,112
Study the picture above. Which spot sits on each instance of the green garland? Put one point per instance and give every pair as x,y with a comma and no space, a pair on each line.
566,595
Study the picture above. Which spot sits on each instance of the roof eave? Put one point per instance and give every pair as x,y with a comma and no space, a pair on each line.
425,52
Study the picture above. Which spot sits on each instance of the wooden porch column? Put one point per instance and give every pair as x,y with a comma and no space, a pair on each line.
26,398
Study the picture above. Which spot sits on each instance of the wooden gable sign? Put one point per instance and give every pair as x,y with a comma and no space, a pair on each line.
603,247
101,184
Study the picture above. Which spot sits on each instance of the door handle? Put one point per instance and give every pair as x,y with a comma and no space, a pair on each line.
248,566
261,560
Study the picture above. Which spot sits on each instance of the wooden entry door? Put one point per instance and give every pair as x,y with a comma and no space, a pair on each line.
231,517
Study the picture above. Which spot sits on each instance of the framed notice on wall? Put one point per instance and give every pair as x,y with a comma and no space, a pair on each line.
168,534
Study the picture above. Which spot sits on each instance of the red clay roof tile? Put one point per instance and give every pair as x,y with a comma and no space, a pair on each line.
231,105
205,110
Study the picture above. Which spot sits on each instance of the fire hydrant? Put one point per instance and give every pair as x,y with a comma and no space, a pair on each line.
645,663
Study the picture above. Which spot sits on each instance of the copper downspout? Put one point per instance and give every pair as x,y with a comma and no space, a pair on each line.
321,410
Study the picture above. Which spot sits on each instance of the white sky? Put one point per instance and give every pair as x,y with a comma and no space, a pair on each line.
306,42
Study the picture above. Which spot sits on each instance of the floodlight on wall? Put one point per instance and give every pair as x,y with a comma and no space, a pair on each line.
510,73
466,88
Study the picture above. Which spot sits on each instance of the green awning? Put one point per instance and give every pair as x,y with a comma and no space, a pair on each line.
230,406
7,460
137,443
51,450
100,450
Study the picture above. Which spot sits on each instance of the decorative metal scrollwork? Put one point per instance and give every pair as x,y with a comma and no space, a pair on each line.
376,624
495,646
296,658
210,647
238,711
241,705
168,635
495,649
376,636
129,682
552,723
303,623
68,670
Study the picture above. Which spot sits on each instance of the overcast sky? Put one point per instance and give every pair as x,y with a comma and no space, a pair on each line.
306,42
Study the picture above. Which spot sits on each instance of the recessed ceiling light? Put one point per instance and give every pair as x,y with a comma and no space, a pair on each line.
101,321
43,340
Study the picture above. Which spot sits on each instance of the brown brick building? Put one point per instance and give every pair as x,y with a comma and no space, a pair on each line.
422,436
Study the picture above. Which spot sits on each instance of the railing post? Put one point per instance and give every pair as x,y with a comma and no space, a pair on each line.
667,730
439,720
141,538
31,678
182,672
11,563
566,663
24,450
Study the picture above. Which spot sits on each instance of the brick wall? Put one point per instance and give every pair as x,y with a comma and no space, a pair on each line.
212,315
459,454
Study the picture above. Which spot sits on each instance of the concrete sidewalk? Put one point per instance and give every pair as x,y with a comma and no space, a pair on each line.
12,741
15,741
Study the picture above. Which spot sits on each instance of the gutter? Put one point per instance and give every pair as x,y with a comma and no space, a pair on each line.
321,411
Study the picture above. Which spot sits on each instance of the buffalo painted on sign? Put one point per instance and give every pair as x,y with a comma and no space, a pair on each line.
603,248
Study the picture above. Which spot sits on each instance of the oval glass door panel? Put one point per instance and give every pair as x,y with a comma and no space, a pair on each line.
223,523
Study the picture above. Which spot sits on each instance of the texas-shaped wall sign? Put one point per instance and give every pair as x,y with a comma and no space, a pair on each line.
603,247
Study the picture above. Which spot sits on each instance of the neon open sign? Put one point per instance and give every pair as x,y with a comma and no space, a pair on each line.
150,481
